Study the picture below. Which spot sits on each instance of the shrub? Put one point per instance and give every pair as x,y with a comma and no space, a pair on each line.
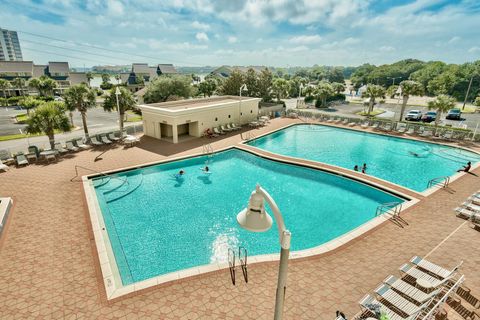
12,101
308,99
106,86
336,97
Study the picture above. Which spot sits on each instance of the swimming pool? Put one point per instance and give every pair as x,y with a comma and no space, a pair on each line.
158,224
405,162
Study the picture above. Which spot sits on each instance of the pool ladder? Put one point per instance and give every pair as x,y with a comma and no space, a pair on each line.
443,181
242,258
393,208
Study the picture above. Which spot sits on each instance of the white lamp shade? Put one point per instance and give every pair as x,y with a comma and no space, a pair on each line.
117,91
254,221
254,217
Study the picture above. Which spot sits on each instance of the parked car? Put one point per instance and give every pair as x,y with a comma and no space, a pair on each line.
57,98
454,114
414,115
430,116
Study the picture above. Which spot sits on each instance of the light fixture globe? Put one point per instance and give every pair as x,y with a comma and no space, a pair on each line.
254,217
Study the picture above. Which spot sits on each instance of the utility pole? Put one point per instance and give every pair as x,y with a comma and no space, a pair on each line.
468,91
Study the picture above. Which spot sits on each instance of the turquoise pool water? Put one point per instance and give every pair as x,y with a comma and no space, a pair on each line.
159,224
388,158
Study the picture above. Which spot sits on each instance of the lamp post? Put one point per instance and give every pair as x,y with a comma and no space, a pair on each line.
117,93
393,79
242,88
255,218
300,94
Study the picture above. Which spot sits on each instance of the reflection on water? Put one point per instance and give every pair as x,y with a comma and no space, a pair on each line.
222,242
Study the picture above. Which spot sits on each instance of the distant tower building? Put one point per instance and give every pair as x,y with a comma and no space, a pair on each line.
9,46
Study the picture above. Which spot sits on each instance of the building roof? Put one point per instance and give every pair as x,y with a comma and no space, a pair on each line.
39,70
140,68
172,107
225,71
77,78
16,67
58,67
167,69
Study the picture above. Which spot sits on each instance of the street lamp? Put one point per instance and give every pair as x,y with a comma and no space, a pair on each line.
393,79
242,88
117,93
300,94
255,218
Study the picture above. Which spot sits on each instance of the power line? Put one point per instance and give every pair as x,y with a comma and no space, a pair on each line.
63,55
70,49
100,48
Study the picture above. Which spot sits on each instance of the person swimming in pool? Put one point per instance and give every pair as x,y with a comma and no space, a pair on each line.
466,168
206,169
180,174
414,154
364,168
355,168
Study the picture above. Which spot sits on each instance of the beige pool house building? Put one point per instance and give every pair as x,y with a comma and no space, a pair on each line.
179,120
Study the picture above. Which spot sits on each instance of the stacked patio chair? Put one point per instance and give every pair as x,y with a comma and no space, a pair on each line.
60,149
470,209
21,159
80,143
225,129
423,287
70,147
111,136
94,141
217,131
6,157
104,139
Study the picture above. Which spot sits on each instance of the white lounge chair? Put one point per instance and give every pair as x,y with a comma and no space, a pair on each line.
330,120
338,120
60,148
21,159
447,135
352,124
364,125
235,126
402,304
423,279
3,167
410,291
401,128
232,127
369,301
95,141
465,213
470,206
79,143
225,129
345,121
410,131
6,157
105,140
216,131
427,133
434,268
111,136
70,147
375,125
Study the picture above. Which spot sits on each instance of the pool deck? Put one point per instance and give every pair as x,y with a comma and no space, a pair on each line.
49,267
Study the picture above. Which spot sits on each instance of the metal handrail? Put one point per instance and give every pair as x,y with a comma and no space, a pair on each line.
99,172
386,207
231,264
431,314
243,261
439,180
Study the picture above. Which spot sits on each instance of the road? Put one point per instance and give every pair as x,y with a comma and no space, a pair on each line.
97,120
392,112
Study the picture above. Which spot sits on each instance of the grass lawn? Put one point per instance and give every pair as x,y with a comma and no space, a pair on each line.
375,112
22,135
21,118
133,117
469,109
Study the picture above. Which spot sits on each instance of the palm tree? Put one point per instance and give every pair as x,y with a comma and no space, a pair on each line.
409,88
280,88
44,85
30,103
338,87
126,101
323,90
19,83
372,92
81,98
47,118
442,103
4,85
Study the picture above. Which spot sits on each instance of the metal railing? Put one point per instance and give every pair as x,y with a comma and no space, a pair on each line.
443,181
434,310
393,208
242,257
96,171
231,264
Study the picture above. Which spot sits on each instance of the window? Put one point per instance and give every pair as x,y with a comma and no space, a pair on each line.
241,113
229,116
216,119
251,111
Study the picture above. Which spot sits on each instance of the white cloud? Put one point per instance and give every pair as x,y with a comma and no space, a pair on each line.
115,7
200,25
474,50
306,39
232,39
386,48
201,36
454,39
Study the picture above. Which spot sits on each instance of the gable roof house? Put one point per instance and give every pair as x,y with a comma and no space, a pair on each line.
225,71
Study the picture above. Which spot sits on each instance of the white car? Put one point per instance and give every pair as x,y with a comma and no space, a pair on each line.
57,98
414,115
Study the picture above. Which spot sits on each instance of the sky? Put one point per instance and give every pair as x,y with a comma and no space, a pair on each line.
279,33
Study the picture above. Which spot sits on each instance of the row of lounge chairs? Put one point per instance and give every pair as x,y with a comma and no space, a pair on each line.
392,127
221,130
260,122
74,145
470,210
422,286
